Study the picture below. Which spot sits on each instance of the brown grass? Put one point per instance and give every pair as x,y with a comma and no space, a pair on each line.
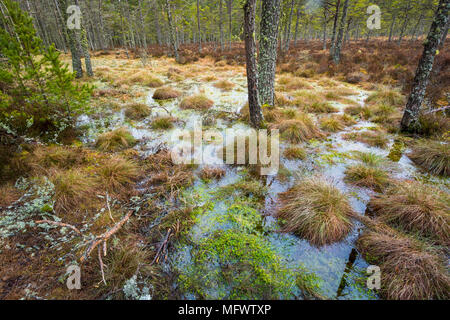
300,129
137,111
166,93
367,176
415,207
224,85
433,156
410,269
317,211
115,140
372,138
209,173
198,102
8,194
116,174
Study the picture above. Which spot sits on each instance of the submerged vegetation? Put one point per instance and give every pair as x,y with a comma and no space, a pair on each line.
88,175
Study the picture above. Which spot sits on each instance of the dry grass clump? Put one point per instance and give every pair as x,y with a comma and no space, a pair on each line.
356,110
299,129
224,85
116,174
162,123
72,188
304,98
433,156
166,93
46,157
372,138
347,119
415,207
289,83
433,124
386,96
137,111
292,153
317,211
166,177
367,176
8,194
209,173
142,77
410,269
320,107
115,140
331,124
198,102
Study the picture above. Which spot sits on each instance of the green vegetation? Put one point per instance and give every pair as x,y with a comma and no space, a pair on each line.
39,96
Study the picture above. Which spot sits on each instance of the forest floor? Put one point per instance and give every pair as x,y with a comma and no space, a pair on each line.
204,231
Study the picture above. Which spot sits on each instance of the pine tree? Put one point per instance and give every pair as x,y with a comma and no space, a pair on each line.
38,94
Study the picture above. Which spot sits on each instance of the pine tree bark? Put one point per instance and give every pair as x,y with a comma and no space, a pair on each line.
336,17
288,31
221,25
296,25
72,39
256,116
172,34
198,27
410,120
270,17
141,18
337,50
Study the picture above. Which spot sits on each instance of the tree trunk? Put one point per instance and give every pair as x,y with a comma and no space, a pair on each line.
337,49
296,25
391,29
270,17
220,25
141,17
256,116
157,26
336,17
444,36
198,27
230,5
288,32
172,31
410,118
324,39
72,40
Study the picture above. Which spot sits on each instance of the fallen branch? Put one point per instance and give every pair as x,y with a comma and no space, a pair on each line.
105,236
162,247
162,107
60,224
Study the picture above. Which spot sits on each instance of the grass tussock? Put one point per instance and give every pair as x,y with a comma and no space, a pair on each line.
432,156
415,207
411,269
166,93
372,138
300,129
317,211
386,96
367,176
293,153
224,85
210,173
331,124
167,178
137,111
72,188
117,174
198,102
290,83
162,123
320,107
115,140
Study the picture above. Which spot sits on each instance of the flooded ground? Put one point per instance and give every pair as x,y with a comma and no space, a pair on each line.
340,270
